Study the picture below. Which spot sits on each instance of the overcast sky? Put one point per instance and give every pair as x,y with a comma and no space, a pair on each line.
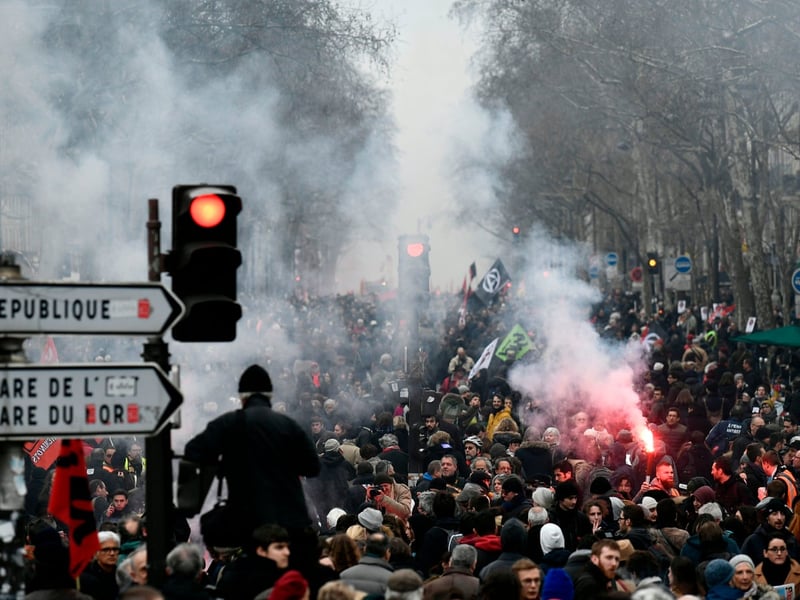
438,125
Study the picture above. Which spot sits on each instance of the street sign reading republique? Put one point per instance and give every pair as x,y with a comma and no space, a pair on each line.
92,399
28,307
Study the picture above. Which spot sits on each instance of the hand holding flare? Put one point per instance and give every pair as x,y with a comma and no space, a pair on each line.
649,447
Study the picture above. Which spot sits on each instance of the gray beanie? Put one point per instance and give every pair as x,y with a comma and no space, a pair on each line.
371,519
543,497
741,558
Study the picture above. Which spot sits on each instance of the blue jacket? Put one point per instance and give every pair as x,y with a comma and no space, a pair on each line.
723,592
693,551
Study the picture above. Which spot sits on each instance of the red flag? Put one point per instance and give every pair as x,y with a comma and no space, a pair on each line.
43,453
71,504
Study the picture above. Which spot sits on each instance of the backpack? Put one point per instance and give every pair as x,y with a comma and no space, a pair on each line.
453,538
791,484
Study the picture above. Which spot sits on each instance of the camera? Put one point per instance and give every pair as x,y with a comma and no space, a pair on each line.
374,492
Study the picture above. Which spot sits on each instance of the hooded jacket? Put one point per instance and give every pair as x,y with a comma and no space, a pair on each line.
452,406
513,539
494,420
488,547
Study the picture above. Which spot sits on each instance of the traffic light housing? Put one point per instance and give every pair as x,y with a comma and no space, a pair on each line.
653,264
203,261
515,231
414,268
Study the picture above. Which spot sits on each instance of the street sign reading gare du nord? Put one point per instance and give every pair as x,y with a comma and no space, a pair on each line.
95,398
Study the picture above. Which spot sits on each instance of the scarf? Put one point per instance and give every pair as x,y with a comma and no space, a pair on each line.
776,574
751,592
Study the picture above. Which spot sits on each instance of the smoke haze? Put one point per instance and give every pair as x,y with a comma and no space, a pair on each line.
165,129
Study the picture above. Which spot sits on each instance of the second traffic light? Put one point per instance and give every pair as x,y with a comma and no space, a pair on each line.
414,268
204,260
653,264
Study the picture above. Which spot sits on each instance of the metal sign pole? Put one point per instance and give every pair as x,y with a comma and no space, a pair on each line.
158,448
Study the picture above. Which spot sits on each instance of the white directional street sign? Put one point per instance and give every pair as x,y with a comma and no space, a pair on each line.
28,307
82,400
677,273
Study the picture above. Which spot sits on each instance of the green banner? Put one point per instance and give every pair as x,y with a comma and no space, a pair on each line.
517,339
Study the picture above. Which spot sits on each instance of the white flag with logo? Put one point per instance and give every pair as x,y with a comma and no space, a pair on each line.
485,359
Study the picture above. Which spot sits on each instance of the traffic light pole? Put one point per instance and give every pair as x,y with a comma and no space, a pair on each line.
158,448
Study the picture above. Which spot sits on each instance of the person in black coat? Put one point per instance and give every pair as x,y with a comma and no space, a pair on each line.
536,458
694,459
99,578
554,555
391,451
599,575
261,454
435,541
573,523
264,560
329,489
357,492
515,502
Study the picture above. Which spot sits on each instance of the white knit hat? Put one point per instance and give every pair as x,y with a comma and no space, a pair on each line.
551,537
333,517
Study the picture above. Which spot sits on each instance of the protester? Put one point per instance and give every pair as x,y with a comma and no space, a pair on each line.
267,490
99,579
371,573
778,568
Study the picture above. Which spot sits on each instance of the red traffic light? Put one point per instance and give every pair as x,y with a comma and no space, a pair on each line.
203,261
515,230
415,249
207,210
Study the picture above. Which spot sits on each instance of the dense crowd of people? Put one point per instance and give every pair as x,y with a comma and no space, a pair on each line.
344,484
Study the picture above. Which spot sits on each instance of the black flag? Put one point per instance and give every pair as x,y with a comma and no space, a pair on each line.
492,283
